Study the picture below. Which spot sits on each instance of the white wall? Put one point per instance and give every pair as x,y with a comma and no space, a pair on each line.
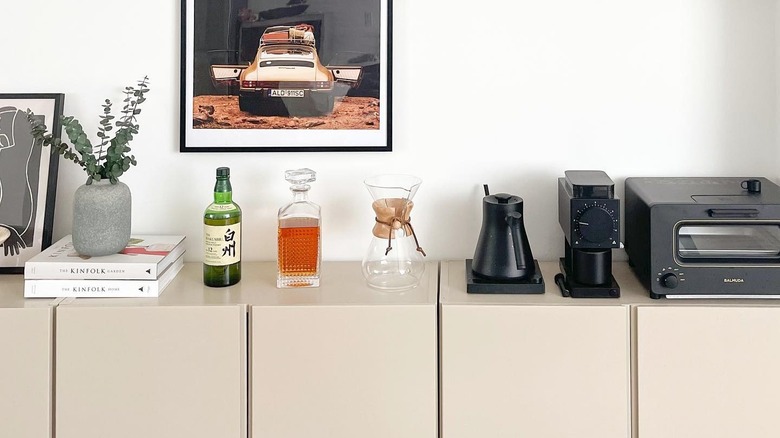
512,95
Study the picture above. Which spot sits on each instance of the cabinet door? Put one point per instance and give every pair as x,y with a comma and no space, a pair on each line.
708,372
535,371
25,372
156,372
344,371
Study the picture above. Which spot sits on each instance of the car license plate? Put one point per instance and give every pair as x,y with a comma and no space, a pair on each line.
287,93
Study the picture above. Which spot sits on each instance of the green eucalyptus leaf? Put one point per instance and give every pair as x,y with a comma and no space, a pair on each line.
111,158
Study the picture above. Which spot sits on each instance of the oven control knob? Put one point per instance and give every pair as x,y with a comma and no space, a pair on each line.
595,225
669,281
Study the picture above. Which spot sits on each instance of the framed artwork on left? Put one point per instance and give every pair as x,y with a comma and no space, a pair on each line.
28,178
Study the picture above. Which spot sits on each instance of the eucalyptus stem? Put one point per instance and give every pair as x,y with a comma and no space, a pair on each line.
112,158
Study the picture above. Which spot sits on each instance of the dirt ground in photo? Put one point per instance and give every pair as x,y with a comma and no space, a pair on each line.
222,112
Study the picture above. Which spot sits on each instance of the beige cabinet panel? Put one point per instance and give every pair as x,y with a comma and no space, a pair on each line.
351,371
25,372
535,371
151,372
708,372
533,366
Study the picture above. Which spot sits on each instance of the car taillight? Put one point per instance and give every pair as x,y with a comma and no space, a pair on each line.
249,84
322,85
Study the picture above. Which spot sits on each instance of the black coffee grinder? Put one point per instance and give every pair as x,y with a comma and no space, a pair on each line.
589,215
503,262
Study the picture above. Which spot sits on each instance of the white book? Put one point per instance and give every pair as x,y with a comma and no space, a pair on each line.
103,288
144,258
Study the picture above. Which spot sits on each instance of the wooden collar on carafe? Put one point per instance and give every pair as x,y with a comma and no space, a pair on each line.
393,214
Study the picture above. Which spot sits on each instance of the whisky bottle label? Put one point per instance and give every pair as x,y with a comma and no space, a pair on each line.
222,207
222,244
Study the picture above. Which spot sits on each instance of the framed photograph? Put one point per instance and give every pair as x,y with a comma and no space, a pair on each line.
28,178
286,75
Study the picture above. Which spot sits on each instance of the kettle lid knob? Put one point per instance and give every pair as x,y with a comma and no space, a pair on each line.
503,198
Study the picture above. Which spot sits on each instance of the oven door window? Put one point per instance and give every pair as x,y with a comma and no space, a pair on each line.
729,243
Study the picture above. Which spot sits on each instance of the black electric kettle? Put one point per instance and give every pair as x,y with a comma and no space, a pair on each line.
503,252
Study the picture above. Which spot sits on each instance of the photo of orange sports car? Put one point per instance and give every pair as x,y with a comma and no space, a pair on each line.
286,75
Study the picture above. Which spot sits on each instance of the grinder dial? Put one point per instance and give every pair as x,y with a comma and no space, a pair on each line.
595,223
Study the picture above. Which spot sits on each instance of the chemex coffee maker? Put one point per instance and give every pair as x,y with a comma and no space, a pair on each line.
503,262
589,214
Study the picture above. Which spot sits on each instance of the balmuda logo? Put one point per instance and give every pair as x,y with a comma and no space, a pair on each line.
733,280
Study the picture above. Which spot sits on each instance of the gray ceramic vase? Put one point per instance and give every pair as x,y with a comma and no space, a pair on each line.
101,218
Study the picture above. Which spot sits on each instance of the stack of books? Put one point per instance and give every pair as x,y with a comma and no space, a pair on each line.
143,269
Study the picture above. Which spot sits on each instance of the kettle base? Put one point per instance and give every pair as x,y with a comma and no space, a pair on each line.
531,285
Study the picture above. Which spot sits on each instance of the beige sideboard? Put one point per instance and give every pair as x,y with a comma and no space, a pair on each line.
348,361
26,348
342,360
554,367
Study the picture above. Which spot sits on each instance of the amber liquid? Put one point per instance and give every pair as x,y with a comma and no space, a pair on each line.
299,249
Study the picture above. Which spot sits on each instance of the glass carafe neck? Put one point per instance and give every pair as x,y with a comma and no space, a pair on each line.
300,192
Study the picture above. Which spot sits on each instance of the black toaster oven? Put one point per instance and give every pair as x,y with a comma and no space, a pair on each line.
704,237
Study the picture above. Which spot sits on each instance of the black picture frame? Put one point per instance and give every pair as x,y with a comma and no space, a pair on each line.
220,113
28,177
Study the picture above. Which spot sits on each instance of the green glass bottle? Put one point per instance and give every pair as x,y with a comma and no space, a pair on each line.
222,235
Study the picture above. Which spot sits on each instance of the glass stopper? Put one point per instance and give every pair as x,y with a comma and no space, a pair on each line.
300,176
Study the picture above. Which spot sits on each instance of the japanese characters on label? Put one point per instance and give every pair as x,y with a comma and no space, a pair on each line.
222,244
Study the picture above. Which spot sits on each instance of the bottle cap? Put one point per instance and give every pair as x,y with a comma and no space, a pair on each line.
223,171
